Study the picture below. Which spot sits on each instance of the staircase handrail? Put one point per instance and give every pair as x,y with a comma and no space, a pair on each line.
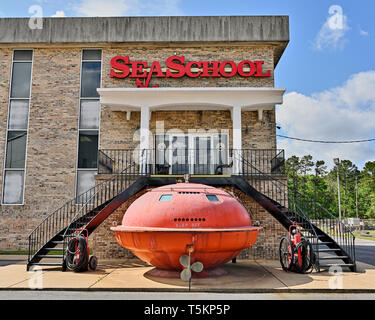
295,191
73,202
274,182
343,236
88,202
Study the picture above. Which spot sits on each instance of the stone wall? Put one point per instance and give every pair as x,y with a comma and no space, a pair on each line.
196,52
267,244
53,119
117,132
51,141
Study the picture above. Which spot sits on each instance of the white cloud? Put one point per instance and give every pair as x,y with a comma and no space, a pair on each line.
338,114
332,33
95,8
59,14
363,32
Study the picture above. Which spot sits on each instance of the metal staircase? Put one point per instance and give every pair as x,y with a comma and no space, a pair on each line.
332,241
87,211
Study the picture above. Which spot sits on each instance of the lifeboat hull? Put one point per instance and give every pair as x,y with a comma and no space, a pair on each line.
163,247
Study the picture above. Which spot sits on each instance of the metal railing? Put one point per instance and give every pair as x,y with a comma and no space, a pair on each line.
191,161
301,205
69,216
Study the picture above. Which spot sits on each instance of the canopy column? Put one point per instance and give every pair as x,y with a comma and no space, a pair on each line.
237,139
144,145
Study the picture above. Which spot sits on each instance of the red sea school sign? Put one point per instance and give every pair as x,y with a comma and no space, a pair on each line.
177,67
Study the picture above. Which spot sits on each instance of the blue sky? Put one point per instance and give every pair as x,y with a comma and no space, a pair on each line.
329,74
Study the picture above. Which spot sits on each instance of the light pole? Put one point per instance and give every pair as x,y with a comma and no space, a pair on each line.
337,162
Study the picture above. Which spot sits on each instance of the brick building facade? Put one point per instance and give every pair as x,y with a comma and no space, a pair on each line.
51,133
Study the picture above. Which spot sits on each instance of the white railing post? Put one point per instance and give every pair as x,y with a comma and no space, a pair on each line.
237,139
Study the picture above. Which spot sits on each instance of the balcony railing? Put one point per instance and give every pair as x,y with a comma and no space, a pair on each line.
179,161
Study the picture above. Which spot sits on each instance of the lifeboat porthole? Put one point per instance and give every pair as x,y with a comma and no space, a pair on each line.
212,197
165,197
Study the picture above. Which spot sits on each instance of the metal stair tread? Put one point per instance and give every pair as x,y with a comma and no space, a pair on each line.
45,263
54,249
52,256
328,250
322,243
317,236
333,258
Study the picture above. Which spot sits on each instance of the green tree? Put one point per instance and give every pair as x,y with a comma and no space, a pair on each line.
292,169
313,181
366,191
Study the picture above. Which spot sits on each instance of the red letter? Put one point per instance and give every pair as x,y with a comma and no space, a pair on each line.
188,69
155,67
138,67
259,70
175,66
119,67
214,69
222,69
240,68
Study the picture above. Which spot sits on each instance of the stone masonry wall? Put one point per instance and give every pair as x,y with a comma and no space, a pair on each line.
117,132
53,119
202,52
51,141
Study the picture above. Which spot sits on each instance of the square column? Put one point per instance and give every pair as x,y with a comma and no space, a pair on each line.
144,137
237,139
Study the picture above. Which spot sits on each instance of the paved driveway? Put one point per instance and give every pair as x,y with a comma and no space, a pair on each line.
365,251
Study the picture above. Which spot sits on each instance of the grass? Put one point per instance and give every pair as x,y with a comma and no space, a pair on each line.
15,252
360,236
372,232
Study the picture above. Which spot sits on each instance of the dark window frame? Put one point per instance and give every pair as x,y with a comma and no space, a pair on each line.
82,130
12,97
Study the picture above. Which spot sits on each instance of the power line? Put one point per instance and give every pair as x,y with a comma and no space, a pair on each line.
322,141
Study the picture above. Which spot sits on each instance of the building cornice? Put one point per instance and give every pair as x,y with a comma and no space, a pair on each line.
168,30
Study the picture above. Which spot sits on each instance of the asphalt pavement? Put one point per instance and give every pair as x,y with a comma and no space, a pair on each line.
365,251
167,296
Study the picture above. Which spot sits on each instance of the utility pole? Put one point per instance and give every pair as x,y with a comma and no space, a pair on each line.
356,195
337,162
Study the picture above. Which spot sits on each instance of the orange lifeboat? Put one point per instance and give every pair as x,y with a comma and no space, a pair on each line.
168,222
